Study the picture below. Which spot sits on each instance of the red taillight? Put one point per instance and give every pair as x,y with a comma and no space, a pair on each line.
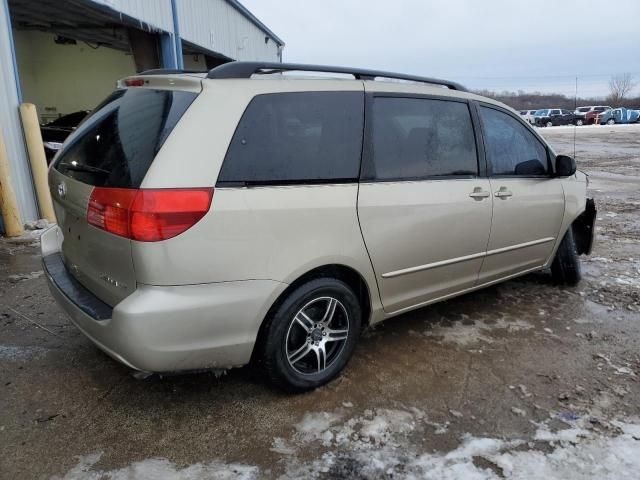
147,215
134,82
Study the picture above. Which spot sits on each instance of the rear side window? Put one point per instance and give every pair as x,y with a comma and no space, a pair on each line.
301,137
511,149
416,138
116,145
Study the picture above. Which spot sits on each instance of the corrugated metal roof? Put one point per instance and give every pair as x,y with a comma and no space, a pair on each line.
221,28
154,12
251,17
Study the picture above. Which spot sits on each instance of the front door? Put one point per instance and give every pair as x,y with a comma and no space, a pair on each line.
424,211
528,203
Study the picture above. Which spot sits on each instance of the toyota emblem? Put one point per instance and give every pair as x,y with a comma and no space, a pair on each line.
62,190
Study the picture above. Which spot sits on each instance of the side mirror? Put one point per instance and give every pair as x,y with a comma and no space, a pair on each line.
565,166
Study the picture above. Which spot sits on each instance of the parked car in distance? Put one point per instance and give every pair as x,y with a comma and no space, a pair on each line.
528,115
593,117
207,220
619,115
584,111
55,133
556,116
540,113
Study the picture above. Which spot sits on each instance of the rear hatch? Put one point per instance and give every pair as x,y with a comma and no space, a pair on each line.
108,156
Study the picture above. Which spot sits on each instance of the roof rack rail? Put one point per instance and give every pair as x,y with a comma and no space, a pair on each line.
169,71
246,69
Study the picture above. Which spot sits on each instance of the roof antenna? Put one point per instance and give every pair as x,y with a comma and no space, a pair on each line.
575,108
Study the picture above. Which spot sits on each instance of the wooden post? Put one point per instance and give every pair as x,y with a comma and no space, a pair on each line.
39,170
8,204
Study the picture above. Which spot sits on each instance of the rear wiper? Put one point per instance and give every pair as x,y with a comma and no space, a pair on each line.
84,168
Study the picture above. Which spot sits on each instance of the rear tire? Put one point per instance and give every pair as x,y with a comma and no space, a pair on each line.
611,121
549,124
565,269
322,318
579,123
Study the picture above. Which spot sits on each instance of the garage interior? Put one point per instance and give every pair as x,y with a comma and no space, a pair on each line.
69,53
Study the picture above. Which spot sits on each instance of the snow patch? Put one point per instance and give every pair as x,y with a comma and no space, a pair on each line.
380,443
25,276
13,353
567,435
159,469
617,368
464,335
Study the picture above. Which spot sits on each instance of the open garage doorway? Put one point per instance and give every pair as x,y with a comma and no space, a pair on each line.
70,53
197,58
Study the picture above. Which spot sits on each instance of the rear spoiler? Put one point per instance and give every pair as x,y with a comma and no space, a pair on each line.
163,81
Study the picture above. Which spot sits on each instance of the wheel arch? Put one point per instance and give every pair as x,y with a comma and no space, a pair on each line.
348,275
583,228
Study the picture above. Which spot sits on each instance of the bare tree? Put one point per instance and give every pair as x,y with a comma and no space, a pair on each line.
619,87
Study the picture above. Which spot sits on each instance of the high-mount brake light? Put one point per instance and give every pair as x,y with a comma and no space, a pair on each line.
148,215
134,82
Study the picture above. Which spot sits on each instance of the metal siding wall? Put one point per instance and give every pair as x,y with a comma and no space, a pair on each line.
154,12
11,126
233,35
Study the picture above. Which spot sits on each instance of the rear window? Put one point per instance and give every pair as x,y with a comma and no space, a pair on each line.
301,137
584,109
116,145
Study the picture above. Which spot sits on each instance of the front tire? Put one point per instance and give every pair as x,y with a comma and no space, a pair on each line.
311,336
565,269
579,123
549,124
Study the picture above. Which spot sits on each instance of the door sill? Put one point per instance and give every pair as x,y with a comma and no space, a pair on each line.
461,292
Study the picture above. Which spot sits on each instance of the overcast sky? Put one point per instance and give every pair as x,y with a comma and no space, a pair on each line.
496,44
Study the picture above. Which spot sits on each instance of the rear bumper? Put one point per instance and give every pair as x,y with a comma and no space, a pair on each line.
168,328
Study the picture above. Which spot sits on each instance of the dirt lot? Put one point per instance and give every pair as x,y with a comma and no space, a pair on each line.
522,380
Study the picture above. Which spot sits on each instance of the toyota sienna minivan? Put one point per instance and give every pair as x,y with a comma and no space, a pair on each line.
210,219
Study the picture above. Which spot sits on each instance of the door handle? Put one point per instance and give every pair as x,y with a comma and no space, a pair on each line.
503,193
479,194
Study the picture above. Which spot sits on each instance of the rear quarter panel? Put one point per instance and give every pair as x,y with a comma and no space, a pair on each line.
268,233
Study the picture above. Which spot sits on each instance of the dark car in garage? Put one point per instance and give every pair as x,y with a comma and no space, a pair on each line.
55,133
557,116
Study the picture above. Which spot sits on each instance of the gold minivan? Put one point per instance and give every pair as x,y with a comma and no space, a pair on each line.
208,219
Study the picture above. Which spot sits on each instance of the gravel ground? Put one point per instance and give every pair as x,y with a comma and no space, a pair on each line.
519,380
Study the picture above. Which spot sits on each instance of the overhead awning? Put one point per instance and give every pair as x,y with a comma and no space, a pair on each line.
77,19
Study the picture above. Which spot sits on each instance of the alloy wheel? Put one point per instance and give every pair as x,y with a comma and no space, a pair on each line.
317,335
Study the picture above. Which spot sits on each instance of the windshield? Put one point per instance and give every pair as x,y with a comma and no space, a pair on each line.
541,113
